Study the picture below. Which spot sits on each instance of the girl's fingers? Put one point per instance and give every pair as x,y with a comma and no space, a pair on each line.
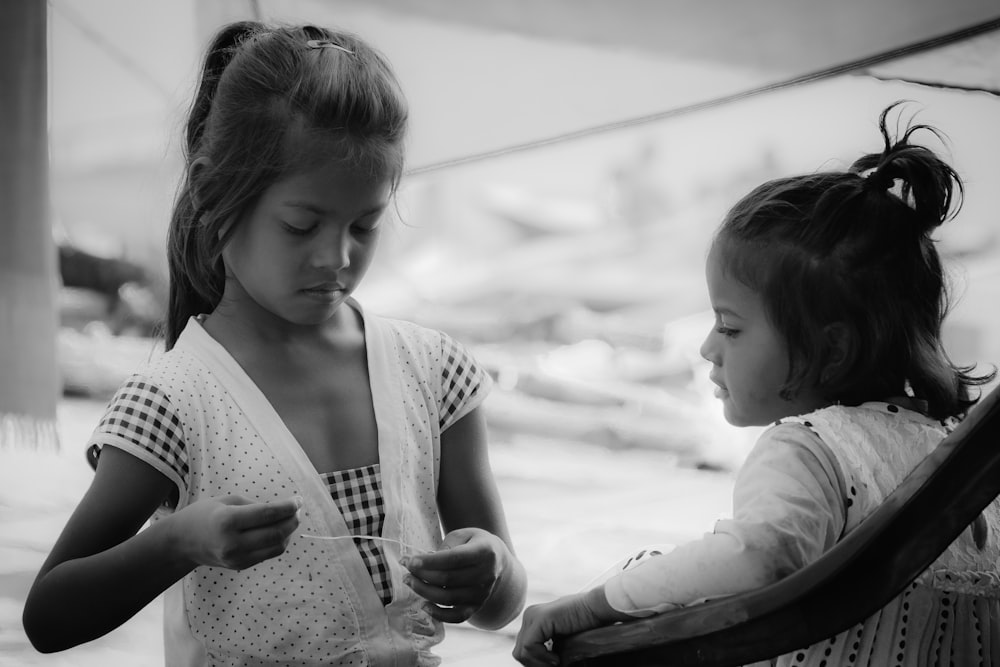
457,614
256,515
475,576
535,654
453,558
270,534
448,596
263,543
251,558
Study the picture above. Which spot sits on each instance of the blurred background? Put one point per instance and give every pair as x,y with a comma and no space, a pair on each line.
568,162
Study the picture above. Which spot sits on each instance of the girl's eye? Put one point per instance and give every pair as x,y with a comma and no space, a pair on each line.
368,224
728,332
365,229
300,230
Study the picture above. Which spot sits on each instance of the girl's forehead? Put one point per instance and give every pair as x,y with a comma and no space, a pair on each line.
333,186
728,293
314,158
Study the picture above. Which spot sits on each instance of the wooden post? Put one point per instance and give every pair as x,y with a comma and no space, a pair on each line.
29,375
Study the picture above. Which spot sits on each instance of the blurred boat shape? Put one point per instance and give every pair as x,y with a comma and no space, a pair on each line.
538,214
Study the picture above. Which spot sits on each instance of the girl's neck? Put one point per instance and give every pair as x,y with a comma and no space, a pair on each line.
261,328
908,403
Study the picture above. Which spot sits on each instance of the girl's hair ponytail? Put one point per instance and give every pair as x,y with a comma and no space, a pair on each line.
196,275
220,53
925,182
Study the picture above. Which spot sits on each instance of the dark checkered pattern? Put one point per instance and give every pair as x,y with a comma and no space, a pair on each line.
358,494
141,414
461,378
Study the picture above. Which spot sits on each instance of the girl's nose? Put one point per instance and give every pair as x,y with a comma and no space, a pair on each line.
708,349
333,250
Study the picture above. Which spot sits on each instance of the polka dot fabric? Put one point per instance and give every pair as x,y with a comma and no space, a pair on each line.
440,383
284,609
316,603
951,614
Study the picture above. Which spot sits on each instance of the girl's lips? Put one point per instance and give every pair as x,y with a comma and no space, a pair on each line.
324,293
324,287
720,389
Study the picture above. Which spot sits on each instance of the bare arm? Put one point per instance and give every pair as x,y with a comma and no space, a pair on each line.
476,573
563,616
103,570
788,510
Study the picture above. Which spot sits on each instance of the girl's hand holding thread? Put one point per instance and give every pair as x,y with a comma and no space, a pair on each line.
234,533
459,578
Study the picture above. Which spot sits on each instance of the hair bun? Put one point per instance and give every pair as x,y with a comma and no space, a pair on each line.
877,180
912,173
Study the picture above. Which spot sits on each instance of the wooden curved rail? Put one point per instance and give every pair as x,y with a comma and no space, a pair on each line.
860,575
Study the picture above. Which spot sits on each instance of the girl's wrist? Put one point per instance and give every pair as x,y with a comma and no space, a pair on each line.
176,543
596,602
506,598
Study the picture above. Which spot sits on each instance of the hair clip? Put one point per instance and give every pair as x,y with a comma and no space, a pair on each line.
327,44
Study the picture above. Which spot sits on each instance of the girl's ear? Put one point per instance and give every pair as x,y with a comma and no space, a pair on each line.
840,351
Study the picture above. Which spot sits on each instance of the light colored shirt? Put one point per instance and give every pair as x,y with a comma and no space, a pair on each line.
787,511
807,483
196,416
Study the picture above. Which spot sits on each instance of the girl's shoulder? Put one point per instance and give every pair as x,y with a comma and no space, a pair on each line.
875,446
874,434
169,369
182,376
868,418
406,330
433,346
457,379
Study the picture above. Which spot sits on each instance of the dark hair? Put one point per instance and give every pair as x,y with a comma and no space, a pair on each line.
850,254
265,92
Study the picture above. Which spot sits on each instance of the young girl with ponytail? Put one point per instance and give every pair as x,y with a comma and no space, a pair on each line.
316,475
829,296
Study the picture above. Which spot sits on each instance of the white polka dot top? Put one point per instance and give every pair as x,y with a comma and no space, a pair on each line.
194,415
951,614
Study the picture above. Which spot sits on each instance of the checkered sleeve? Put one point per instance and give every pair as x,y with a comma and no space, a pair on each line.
465,384
141,421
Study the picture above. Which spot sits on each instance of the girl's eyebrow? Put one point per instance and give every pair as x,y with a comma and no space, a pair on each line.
725,312
312,208
319,210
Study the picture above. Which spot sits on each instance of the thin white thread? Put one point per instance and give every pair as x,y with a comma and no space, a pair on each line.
365,537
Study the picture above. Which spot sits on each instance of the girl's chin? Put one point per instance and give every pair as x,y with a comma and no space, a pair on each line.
729,412
736,418
320,306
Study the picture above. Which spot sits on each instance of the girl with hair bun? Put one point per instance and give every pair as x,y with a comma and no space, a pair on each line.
829,296
316,476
